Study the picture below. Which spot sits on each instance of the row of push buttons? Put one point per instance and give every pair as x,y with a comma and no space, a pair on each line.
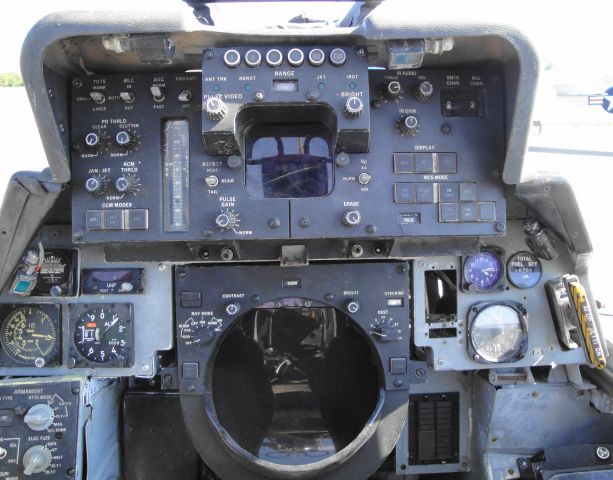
425,162
129,219
430,192
467,212
295,57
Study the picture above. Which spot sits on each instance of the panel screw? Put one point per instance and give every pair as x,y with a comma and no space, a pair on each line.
258,96
371,229
402,269
274,223
255,298
162,267
603,453
227,254
522,463
312,95
329,297
446,128
420,372
304,222
360,52
167,378
500,227
234,161
204,253
375,103
75,390
70,471
398,383
190,388
342,159
78,235
208,54
50,93
207,232
71,362
77,83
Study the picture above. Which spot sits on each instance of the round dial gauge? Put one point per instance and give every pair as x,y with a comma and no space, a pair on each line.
483,271
55,272
524,270
29,335
498,333
102,335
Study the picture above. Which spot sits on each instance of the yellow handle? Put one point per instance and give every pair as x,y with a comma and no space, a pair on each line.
588,328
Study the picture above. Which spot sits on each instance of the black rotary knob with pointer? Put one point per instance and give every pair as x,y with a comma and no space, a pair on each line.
408,125
353,107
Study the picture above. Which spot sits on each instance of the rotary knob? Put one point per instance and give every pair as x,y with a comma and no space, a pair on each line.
36,459
215,108
227,220
408,125
127,184
97,185
423,91
352,218
39,417
125,139
393,90
353,107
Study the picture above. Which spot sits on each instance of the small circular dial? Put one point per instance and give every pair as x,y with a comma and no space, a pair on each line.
101,335
524,270
498,333
29,335
483,271
55,272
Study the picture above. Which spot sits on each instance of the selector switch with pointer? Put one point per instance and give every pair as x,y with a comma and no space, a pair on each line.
127,184
352,218
393,90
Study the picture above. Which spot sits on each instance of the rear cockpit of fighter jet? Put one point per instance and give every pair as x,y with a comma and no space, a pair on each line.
294,253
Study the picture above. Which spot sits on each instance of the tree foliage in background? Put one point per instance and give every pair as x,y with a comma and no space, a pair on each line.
10,80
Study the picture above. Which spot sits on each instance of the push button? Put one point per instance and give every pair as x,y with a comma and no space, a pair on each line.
138,219
190,299
424,163
403,193
487,211
190,370
468,212
398,365
93,220
448,212
403,163
112,219
447,163
448,192
424,193
468,192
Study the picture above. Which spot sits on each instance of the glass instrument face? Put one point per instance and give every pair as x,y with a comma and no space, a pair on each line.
483,271
30,336
101,334
497,333
524,270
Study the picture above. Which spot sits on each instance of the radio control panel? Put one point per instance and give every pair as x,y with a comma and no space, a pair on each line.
274,143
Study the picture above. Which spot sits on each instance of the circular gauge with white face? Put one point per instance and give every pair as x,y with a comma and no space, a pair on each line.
497,332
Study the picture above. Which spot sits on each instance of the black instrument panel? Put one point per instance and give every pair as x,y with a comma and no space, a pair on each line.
376,153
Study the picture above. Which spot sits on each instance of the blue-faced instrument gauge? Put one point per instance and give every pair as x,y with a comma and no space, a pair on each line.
524,270
175,168
483,271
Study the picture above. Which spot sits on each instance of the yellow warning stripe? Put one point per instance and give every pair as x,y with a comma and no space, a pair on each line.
586,322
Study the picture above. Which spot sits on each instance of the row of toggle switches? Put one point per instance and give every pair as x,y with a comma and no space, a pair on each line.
157,93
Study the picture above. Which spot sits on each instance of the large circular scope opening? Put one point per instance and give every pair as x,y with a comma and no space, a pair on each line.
294,386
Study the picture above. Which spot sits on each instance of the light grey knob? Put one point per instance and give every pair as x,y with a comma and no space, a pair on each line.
39,417
36,459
